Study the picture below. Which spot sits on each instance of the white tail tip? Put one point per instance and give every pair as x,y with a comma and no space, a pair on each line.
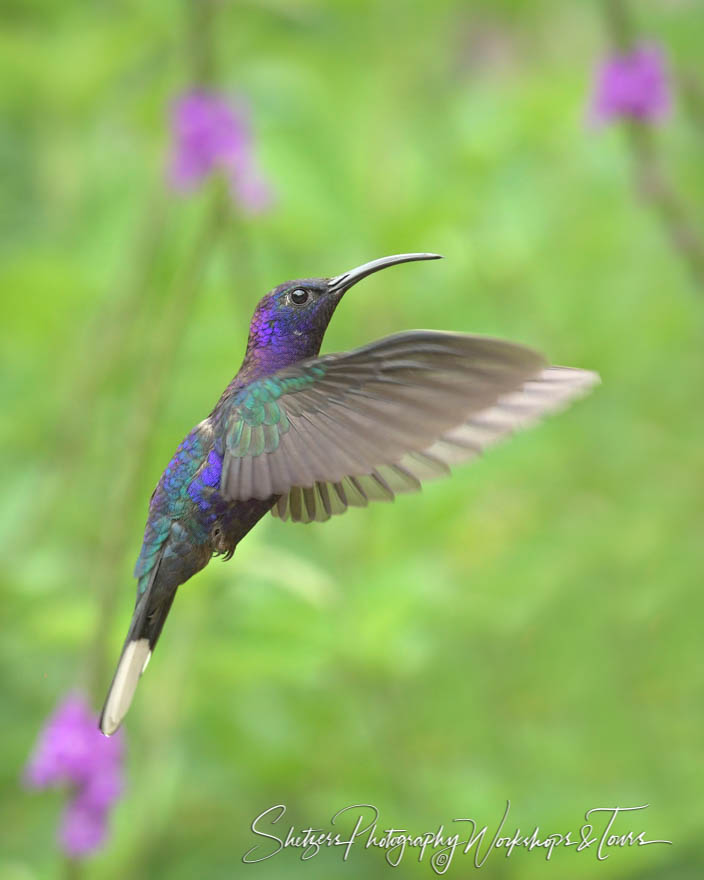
132,664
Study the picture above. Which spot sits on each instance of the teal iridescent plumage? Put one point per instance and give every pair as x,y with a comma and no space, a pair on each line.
258,420
176,494
306,437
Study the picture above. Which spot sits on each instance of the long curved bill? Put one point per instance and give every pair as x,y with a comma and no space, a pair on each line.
343,282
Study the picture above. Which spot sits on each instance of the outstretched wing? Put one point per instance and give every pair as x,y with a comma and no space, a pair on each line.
363,425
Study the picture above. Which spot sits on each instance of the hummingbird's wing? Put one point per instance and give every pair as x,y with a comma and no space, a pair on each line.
344,429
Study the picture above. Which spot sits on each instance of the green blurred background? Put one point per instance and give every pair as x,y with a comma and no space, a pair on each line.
528,630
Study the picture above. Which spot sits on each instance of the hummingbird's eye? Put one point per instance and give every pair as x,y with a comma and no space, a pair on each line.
299,296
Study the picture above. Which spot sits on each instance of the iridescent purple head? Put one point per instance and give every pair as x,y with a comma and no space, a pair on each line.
290,321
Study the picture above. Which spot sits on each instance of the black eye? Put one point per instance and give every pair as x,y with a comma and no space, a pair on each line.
299,296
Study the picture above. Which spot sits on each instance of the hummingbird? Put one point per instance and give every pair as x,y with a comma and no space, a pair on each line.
308,436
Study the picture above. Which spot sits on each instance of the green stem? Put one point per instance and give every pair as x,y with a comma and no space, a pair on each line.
239,255
619,24
652,182
692,91
73,869
138,435
655,187
108,330
200,36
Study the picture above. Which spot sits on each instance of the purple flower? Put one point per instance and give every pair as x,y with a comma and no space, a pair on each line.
211,134
633,84
82,830
70,751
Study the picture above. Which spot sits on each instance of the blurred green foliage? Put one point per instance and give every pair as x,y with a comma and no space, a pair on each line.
529,629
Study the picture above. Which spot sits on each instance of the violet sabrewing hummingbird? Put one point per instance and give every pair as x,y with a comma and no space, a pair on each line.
306,437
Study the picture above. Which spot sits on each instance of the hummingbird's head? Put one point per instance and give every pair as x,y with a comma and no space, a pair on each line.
289,323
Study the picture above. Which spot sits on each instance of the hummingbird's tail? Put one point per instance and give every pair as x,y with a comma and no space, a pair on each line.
150,613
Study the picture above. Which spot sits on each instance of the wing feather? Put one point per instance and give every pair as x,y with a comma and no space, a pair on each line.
344,429
549,392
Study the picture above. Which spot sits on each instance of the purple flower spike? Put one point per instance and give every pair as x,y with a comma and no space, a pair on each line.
83,830
71,751
211,134
633,85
